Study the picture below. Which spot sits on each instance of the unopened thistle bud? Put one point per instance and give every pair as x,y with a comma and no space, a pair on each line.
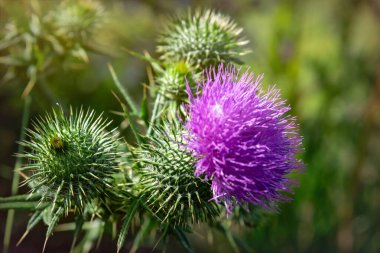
201,39
167,184
72,159
172,81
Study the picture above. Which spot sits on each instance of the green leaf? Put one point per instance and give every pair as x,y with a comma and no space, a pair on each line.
146,57
147,226
54,221
127,221
131,122
92,234
156,108
33,221
227,233
182,238
144,107
123,91
78,228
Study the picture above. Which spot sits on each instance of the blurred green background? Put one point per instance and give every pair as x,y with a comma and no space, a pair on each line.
325,57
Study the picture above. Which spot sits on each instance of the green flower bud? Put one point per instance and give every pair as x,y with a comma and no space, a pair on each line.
72,159
201,39
172,81
167,185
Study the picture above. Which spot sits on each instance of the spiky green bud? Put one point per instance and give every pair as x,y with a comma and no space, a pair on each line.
203,38
72,159
167,185
172,81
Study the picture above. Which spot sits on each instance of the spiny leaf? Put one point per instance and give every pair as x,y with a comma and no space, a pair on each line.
33,221
53,222
228,234
126,223
182,238
147,226
79,221
123,91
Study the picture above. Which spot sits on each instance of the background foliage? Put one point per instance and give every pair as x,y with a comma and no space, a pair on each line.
324,55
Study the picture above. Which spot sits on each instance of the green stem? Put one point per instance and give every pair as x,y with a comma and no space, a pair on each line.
16,176
19,198
20,205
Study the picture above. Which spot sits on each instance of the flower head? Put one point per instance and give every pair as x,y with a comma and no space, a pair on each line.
72,159
245,142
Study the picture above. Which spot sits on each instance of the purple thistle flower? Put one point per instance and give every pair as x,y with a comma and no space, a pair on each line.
245,142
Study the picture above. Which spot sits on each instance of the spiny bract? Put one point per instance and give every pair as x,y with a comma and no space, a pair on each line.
72,158
203,38
167,184
245,142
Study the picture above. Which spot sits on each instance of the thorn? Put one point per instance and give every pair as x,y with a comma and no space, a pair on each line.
43,249
73,245
22,237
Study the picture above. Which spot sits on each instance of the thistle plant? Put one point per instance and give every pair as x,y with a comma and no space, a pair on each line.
216,142
72,159
167,185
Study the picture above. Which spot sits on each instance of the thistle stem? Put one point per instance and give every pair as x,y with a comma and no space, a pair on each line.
18,198
16,176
